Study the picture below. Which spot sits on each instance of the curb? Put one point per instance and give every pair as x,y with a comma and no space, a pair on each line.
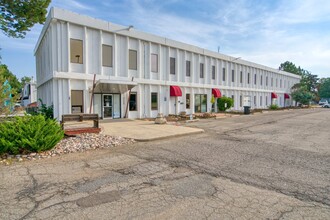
168,136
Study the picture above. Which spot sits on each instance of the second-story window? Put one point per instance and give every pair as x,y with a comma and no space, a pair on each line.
266,80
280,83
132,60
233,75
201,70
261,80
154,63
241,77
106,55
76,51
248,78
272,82
213,72
172,65
187,68
255,79
223,74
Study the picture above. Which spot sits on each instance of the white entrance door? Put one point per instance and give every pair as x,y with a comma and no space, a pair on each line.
107,106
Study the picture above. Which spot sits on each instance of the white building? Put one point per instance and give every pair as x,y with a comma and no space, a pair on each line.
139,75
29,93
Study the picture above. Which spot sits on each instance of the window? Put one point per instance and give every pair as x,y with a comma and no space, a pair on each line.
132,59
280,83
266,80
248,78
106,55
154,63
132,102
240,101
260,100
187,101
172,65
187,68
223,74
233,75
232,97
213,72
261,80
276,82
76,51
255,79
201,70
77,101
271,82
241,77
154,101
266,101
255,100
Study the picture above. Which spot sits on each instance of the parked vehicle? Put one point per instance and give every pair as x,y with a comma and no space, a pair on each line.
323,101
327,105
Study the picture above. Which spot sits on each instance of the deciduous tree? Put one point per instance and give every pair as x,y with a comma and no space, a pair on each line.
18,16
324,90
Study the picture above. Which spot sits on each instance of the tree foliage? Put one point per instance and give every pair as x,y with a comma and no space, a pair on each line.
6,99
12,79
225,103
308,80
324,89
302,95
18,16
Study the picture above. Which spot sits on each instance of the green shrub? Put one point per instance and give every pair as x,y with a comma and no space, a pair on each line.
29,134
222,103
47,111
273,107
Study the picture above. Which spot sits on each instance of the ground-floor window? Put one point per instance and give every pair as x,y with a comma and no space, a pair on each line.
77,101
132,102
240,101
200,103
187,101
255,100
266,101
232,97
154,101
260,100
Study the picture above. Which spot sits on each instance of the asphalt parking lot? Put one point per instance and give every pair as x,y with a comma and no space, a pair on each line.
266,166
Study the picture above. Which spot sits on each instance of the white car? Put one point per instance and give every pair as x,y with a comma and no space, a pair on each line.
327,105
323,101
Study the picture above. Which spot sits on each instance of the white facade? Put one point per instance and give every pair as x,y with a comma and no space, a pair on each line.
29,93
65,73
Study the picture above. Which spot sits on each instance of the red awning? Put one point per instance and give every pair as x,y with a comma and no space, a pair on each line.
274,95
286,96
175,91
216,93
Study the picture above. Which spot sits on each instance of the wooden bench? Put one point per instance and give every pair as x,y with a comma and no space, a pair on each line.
80,118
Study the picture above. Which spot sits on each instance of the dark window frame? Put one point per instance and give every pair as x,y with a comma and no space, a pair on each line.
133,107
156,64
188,68
134,65
172,65
201,70
80,59
103,55
155,94
213,71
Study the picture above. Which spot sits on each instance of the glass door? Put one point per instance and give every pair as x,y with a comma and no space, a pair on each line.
107,106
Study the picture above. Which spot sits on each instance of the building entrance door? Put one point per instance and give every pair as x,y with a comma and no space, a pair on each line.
107,106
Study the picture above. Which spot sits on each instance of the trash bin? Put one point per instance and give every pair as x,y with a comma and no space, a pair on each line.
247,110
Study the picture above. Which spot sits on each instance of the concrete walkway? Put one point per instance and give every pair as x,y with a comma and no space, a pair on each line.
141,130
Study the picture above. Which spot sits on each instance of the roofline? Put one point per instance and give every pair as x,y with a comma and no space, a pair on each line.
84,20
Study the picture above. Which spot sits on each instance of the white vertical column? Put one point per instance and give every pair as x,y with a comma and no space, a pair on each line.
100,54
115,60
85,51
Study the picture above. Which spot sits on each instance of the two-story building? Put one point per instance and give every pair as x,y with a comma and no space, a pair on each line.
138,74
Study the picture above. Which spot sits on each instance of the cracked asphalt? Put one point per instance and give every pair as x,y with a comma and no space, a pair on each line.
267,166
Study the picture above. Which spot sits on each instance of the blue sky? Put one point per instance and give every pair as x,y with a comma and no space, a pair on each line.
268,32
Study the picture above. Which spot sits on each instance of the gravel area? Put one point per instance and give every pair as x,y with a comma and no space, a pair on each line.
80,143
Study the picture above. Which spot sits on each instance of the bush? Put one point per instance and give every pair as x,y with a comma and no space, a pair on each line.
29,134
222,103
273,107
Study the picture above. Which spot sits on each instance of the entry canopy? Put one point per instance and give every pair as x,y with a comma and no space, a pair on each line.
286,96
216,93
274,95
175,91
113,86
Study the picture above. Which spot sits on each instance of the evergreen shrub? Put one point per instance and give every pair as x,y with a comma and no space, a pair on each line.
29,134
222,103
